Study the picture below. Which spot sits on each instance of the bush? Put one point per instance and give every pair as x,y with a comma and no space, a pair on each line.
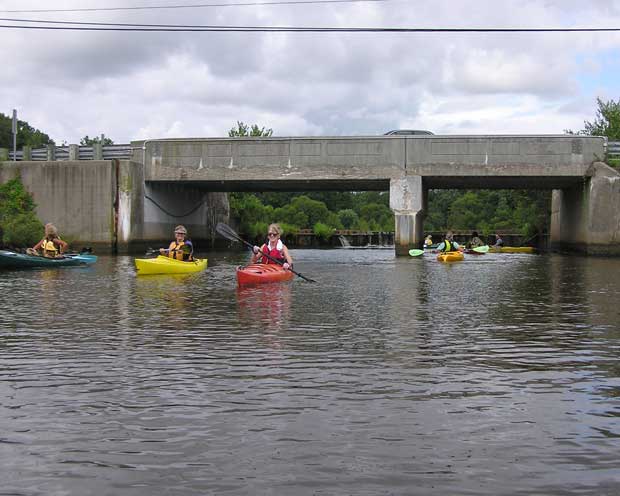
22,230
322,231
19,226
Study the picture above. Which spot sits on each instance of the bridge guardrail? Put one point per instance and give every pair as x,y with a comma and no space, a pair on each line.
122,151
613,149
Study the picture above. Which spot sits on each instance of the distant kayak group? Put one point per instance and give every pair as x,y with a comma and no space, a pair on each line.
450,251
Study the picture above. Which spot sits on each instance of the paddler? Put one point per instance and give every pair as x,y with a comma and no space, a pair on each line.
428,241
274,248
448,243
475,241
181,248
51,245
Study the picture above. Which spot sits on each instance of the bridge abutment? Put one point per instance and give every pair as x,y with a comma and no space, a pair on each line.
408,202
586,218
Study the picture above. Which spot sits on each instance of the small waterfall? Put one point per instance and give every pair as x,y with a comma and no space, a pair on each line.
344,242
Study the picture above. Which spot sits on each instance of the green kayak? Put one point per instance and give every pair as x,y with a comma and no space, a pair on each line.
11,259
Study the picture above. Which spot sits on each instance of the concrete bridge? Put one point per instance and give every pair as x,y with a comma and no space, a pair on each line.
181,180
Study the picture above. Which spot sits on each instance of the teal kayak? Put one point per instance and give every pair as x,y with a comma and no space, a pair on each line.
11,259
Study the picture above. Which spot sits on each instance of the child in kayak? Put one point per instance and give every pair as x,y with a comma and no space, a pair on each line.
274,248
181,248
51,245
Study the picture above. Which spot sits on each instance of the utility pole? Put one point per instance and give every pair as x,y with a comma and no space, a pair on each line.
14,129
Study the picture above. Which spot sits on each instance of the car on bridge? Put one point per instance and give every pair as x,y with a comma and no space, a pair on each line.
407,132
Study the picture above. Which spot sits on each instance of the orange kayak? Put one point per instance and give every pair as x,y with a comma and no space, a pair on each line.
262,273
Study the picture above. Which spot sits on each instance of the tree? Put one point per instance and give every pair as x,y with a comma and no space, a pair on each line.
244,130
87,141
26,134
607,122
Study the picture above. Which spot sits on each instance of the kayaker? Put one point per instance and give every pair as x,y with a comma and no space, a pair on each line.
51,245
428,241
475,241
181,248
499,242
448,244
274,248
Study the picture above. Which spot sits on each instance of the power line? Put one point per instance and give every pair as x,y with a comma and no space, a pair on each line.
102,26
194,6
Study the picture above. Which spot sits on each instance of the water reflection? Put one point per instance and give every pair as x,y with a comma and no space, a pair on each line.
387,376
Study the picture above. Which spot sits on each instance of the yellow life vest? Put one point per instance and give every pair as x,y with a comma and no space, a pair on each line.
48,248
179,251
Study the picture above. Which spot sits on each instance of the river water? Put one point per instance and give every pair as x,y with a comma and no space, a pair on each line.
499,375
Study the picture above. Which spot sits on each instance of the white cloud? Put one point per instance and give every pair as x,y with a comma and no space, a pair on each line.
151,85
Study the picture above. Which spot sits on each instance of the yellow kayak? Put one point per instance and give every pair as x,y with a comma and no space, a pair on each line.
450,256
512,249
166,265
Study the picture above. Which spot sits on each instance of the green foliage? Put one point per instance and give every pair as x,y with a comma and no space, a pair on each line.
607,122
487,211
26,134
19,225
243,130
22,230
323,231
87,141
348,218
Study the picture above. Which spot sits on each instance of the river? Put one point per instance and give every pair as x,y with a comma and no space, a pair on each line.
499,375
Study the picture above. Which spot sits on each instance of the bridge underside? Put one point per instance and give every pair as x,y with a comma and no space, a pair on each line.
429,182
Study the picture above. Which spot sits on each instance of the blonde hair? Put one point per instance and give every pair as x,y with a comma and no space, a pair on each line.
275,227
50,229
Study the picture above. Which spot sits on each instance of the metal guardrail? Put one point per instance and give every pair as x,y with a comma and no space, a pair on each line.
613,149
110,152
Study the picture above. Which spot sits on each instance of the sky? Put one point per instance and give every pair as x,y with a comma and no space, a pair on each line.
149,85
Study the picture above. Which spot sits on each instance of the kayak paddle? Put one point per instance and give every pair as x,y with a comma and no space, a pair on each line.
416,253
227,232
481,249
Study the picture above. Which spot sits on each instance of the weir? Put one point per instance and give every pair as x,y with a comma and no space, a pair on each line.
122,203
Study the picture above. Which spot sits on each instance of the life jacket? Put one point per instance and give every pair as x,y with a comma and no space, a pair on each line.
448,246
48,247
181,251
273,253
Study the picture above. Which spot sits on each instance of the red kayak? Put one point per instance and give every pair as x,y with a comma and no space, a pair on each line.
262,273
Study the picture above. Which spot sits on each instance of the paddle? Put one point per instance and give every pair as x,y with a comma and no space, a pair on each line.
416,253
481,249
226,232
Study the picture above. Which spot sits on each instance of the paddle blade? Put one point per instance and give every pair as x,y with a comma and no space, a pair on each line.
481,249
416,253
226,232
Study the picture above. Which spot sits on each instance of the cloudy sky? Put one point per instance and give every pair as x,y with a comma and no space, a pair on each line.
138,85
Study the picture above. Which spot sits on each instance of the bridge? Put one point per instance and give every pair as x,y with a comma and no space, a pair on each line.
171,181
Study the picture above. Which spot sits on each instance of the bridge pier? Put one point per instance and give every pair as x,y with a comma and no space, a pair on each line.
408,200
586,218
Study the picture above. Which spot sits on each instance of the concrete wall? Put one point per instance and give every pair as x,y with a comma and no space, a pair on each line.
78,197
586,218
106,204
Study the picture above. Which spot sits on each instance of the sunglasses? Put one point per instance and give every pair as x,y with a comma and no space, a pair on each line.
272,234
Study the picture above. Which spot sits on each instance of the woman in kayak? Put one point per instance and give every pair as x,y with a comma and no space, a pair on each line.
448,244
181,248
51,245
274,248
475,241
499,242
